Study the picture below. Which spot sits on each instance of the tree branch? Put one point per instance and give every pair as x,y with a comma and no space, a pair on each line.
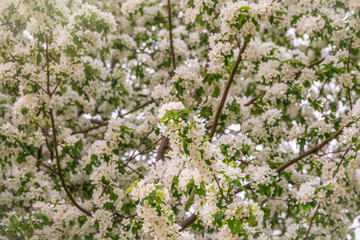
226,91
132,157
47,66
312,150
171,36
104,123
59,167
253,99
312,221
164,145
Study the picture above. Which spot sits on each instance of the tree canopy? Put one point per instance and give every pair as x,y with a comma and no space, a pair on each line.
179,119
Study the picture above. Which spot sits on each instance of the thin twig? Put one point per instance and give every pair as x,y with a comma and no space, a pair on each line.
221,191
317,208
134,171
253,99
312,221
142,141
131,158
342,160
137,108
104,123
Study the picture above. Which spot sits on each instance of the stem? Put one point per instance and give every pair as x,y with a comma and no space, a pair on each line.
312,221
221,191
312,150
142,141
253,99
348,70
47,66
59,167
226,91
137,108
132,157
171,36
342,160
104,123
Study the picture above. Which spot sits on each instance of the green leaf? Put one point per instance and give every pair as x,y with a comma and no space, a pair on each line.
129,189
171,218
163,118
14,221
38,58
186,111
157,187
82,219
245,8
216,93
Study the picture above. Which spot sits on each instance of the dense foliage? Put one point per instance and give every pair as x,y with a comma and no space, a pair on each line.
179,119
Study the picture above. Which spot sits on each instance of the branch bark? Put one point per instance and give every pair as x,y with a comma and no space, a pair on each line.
164,144
226,91
171,36
62,179
312,150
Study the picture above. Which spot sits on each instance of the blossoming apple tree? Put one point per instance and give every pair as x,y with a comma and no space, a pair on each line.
187,119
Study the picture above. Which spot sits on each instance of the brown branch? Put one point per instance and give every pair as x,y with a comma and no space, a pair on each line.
313,150
47,66
342,160
164,145
330,153
141,142
134,171
137,108
57,85
59,167
69,3
62,179
113,63
312,221
226,91
89,129
131,158
13,58
36,84
171,36
253,99
348,70
104,123
221,191
187,222
322,88
313,64
237,41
